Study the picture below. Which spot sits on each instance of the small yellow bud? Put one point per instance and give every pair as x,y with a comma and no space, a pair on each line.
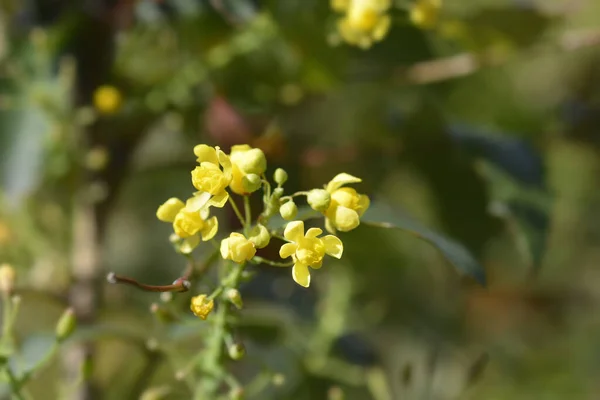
66,325
278,380
235,297
97,158
107,99
288,210
249,160
237,248
236,351
169,209
201,307
280,176
319,199
251,183
7,278
259,235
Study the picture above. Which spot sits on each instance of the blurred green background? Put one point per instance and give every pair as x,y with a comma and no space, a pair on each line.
485,129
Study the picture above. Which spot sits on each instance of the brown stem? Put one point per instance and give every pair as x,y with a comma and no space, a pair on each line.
180,285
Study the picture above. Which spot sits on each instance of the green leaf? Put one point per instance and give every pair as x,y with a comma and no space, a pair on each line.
382,216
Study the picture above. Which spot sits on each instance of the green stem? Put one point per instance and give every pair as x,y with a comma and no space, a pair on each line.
15,384
41,363
248,214
259,260
6,316
236,210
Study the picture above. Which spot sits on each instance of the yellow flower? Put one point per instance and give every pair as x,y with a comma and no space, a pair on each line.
201,307
237,248
346,206
425,13
107,99
208,177
245,160
7,278
365,22
308,250
189,220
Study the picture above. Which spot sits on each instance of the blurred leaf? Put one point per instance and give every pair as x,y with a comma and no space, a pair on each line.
382,216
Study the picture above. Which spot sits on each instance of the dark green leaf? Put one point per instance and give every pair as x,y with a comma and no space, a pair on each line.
383,216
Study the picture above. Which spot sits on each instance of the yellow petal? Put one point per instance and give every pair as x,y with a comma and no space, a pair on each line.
313,232
224,160
363,204
329,226
382,27
224,249
206,154
287,250
301,274
189,244
345,219
294,231
316,265
340,180
219,200
333,246
210,229
169,209
198,201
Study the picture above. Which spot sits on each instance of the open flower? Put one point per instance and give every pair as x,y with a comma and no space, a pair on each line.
365,22
237,248
346,205
308,250
190,221
245,160
213,175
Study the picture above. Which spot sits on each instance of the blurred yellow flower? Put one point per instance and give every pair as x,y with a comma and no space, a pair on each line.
7,278
201,306
308,250
245,161
237,248
365,21
425,13
209,177
346,206
189,220
107,99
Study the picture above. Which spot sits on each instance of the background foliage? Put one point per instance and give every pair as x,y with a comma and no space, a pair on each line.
483,129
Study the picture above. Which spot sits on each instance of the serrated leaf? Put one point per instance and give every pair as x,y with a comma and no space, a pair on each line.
382,216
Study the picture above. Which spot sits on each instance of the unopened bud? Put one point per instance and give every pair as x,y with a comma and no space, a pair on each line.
236,351
288,210
319,199
272,206
259,235
235,297
7,278
252,161
280,176
66,325
251,183
278,380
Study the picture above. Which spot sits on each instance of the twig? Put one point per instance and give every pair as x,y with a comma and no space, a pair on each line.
180,285
467,63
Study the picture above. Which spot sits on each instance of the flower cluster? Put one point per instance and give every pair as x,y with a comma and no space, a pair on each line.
218,177
364,22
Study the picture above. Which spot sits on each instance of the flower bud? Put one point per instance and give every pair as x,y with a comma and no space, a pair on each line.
237,248
201,307
156,393
288,210
251,183
259,235
169,209
7,278
278,380
319,199
236,351
251,161
235,297
65,325
107,99
280,176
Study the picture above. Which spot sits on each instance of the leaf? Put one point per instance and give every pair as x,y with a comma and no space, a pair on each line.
382,216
